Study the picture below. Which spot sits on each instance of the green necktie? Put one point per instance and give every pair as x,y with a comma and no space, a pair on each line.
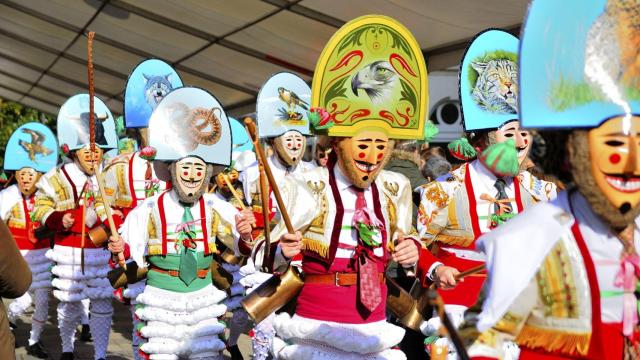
188,269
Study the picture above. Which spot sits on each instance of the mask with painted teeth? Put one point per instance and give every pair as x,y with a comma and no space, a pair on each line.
190,176
362,156
605,167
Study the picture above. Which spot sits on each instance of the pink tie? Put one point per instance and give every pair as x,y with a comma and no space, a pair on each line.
368,281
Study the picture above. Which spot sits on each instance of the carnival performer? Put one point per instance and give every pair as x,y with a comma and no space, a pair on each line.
33,148
482,194
282,117
64,203
174,234
562,275
242,156
354,216
131,178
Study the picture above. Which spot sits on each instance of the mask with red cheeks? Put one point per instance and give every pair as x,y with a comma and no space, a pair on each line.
88,160
290,147
190,176
362,156
27,179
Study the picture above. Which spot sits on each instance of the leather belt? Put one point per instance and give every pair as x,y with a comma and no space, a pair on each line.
337,279
201,273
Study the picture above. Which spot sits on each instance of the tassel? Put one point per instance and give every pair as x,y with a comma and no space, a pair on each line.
501,158
430,131
461,149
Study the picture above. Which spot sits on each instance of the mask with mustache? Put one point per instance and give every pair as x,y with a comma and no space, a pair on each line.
605,167
27,179
511,130
362,156
87,161
290,147
190,176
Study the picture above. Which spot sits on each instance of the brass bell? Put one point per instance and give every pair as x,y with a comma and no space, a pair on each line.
273,294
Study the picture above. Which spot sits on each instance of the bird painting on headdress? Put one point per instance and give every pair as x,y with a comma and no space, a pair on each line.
291,99
35,147
376,79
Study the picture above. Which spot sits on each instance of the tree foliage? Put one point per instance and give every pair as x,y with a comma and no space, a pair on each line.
12,115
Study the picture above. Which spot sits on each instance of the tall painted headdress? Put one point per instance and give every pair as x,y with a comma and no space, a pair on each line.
579,64
371,73
283,105
242,153
73,124
190,121
32,145
488,81
149,82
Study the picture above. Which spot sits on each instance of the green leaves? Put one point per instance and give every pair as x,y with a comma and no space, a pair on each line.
336,90
408,94
353,38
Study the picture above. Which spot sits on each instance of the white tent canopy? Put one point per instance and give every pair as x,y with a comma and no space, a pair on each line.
229,47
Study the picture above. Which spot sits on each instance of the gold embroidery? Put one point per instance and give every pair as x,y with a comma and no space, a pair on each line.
393,215
392,187
558,295
315,246
509,323
436,195
317,187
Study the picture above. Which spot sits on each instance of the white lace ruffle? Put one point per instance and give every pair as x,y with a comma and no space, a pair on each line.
150,313
39,284
186,348
68,285
233,302
39,276
180,302
68,296
255,279
98,292
133,290
323,352
34,257
231,267
41,268
74,272
355,338
236,289
67,255
159,329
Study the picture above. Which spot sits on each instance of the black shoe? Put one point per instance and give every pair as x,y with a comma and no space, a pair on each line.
37,350
235,353
85,335
13,326
66,356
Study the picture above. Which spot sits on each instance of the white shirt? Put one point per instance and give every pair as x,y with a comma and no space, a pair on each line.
135,233
9,197
482,181
138,170
349,239
605,250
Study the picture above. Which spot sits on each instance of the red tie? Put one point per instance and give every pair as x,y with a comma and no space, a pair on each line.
148,176
368,281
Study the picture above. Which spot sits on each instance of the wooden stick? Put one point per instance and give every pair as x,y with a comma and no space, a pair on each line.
92,120
468,272
472,271
253,131
107,211
452,332
264,198
233,191
82,235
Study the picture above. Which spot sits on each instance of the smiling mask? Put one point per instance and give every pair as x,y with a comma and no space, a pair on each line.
362,156
189,176
290,147
27,179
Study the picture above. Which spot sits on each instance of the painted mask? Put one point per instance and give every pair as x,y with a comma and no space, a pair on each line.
322,155
522,138
27,179
615,162
88,161
232,175
290,147
362,156
190,176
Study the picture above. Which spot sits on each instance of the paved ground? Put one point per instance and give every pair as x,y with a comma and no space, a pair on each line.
119,341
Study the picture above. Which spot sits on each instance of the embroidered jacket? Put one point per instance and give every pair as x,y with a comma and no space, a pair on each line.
552,285
15,211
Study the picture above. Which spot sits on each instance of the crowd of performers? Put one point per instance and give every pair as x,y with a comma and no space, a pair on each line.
208,227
